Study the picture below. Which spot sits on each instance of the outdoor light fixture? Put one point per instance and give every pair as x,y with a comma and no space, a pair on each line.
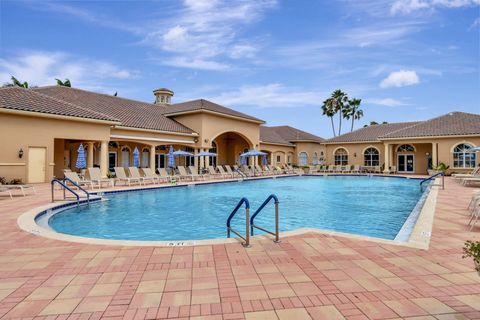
195,140
206,140
427,153
20,153
355,154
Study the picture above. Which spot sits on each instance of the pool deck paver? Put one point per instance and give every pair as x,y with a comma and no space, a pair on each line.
306,276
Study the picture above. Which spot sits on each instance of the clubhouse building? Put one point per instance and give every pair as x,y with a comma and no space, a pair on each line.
42,128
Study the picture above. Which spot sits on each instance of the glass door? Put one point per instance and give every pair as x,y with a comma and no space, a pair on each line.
406,163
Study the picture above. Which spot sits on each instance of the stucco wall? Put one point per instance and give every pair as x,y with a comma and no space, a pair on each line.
310,148
355,152
21,132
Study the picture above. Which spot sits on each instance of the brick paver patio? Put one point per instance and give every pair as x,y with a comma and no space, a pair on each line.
309,276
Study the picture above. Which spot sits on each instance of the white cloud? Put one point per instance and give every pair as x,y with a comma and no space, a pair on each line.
208,32
409,6
41,68
400,78
272,95
388,102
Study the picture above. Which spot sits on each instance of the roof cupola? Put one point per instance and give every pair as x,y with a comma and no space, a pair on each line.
163,96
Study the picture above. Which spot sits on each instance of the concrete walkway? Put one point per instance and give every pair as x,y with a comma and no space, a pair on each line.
310,276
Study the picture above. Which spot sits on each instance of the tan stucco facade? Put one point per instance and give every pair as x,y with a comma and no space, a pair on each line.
425,150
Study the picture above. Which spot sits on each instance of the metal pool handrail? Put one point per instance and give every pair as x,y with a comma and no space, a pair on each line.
65,187
78,186
247,229
252,225
243,175
434,176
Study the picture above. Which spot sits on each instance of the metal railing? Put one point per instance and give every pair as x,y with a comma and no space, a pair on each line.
240,173
78,186
434,176
247,221
252,224
64,187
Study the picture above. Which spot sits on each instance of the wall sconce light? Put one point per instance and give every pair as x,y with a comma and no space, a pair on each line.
195,140
206,140
355,154
427,153
20,153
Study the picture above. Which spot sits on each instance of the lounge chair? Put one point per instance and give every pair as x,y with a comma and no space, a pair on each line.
356,169
274,170
164,174
3,189
194,174
135,173
230,171
213,172
474,208
184,174
122,176
267,171
393,169
475,173
246,170
377,169
96,177
471,180
148,173
259,170
76,179
224,173
21,187
346,169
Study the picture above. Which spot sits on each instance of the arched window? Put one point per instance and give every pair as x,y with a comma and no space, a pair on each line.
341,157
371,157
213,149
406,148
125,157
462,158
315,158
145,158
302,159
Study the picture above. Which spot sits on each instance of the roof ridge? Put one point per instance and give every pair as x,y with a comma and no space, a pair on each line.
408,127
67,103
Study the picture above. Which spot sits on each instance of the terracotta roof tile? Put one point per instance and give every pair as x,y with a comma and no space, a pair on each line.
202,104
282,134
371,133
131,113
453,123
16,98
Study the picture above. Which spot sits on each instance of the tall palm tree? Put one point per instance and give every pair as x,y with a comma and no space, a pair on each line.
339,101
65,83
329,111
353,111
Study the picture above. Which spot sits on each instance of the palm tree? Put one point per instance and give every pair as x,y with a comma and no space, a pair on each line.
353,111
115,94
329,111
339,99
16,83
65,83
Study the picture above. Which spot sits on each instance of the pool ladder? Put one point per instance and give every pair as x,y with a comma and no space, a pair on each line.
64,187
434,176
249,221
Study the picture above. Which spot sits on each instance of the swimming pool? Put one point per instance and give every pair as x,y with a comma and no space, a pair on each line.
364,205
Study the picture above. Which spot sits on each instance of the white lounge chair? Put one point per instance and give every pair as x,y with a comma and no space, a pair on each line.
213,172
183,173
21,187
475,173
393,169
135,173
224,173
164,174
150,174
76,179
6,190
195,175
122,176
96,177
355,169
230,171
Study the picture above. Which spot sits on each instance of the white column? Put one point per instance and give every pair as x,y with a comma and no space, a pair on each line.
387,158
103,158
90,155
272,159
202,162
152,158
434,154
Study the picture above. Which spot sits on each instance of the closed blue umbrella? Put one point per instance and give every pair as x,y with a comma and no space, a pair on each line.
81,162
171,158
243,161
136,158
264,160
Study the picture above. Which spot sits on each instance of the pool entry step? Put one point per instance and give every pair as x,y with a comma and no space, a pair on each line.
250,221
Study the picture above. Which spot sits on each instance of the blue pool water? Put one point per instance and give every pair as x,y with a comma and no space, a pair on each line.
371,206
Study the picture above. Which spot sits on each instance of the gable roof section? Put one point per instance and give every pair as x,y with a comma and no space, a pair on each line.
282,134
450,124
269,135
202,104
131,113
21,99
370,133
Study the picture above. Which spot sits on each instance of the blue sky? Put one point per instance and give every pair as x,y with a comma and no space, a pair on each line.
274,59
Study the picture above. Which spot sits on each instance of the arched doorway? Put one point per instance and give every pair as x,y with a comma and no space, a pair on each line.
229,146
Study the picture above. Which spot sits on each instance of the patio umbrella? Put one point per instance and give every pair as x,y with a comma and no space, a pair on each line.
264,160
171,158
476,149
205,154
252,153
136,158
81,162
243,161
